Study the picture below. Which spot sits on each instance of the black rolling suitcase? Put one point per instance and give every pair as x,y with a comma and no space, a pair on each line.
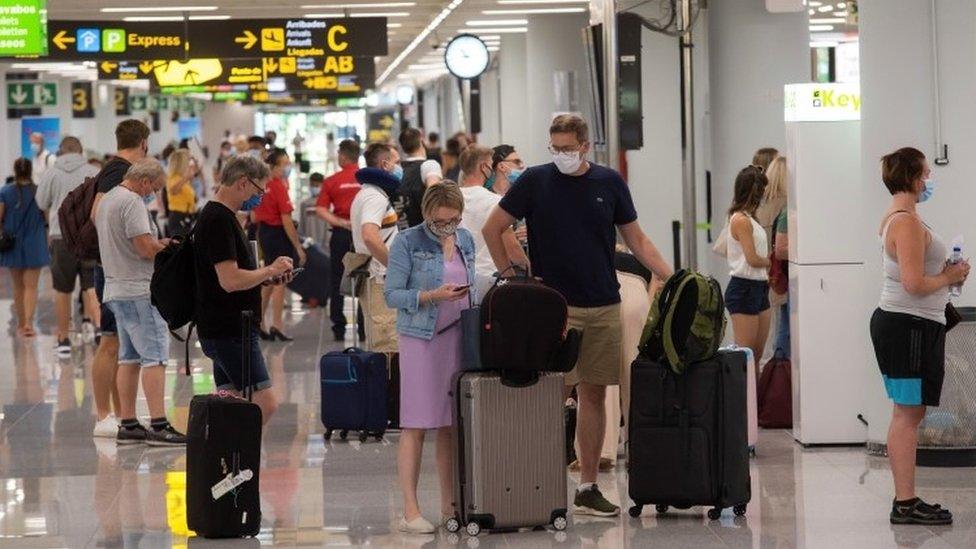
223,459
688,434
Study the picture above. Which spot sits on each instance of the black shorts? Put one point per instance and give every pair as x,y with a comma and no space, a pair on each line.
746,297
911,357
65,268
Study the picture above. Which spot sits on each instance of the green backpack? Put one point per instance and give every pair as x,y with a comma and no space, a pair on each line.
686,323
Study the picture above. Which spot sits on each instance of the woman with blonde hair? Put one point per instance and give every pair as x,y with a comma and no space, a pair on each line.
428,281
181,198
772,216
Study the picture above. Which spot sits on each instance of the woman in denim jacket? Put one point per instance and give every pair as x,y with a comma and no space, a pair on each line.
428,282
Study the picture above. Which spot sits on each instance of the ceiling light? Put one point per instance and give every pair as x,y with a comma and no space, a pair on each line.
492,48
543,1
340,15
419,67
824,9
821,28
533,11
164,8
506,30
491,22
436,22
841,4
812,12
357,6
841,13
826,44
827,20
489,37
154,18
394,25
814,3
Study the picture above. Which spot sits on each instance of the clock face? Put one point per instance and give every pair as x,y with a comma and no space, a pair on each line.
466,56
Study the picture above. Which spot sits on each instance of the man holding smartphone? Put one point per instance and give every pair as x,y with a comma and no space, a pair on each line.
229,280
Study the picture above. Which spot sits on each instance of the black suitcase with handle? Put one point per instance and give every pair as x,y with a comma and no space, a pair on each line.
688,434
223,459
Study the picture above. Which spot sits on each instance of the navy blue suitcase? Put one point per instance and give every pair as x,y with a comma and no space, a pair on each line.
314,284
354,393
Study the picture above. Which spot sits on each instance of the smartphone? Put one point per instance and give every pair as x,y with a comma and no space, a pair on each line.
462,288
297,271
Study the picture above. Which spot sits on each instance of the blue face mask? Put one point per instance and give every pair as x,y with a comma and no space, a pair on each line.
149,198
927,192
251,203
397,172
287,172
490,182
35,148
514,175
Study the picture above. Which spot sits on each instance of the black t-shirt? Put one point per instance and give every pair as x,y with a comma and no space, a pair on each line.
572,229
112,174
218,237
412,190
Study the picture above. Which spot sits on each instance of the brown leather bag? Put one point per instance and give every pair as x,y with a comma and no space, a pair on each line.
775,394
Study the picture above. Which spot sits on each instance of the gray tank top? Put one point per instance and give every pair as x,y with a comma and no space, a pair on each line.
894,298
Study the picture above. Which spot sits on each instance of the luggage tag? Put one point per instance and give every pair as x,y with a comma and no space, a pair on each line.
230,482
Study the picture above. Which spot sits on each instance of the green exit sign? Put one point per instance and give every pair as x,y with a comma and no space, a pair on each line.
28,95
23,27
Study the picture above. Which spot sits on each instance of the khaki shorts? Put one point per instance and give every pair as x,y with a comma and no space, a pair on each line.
381,334
600,353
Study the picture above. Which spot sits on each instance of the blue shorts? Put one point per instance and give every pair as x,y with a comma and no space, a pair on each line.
143,334
108,325
227,359
746,297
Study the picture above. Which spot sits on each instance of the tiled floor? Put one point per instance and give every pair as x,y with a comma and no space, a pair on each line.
58,488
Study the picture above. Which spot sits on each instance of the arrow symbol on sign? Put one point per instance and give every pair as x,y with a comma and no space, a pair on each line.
42,93
272,66
191,76
108,66
248,39
146,67
19,95
61,40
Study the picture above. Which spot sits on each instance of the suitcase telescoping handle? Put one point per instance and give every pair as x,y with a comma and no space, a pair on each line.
247,332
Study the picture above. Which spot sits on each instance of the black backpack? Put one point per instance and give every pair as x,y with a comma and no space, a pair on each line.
173,288
412,191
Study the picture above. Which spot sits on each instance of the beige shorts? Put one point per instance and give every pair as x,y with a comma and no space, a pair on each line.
381,334
600,352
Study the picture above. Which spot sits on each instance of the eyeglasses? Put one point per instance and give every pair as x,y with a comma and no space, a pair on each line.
256,186
518,161
567,149
441,224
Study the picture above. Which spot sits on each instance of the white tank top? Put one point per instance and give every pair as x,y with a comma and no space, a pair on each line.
894,297
740,268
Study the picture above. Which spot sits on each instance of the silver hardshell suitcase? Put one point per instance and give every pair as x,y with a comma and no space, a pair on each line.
510,452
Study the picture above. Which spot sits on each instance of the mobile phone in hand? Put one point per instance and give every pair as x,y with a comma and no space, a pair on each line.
297,271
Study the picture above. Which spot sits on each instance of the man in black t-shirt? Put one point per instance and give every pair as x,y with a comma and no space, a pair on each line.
412,187
132,140
229,281
573,209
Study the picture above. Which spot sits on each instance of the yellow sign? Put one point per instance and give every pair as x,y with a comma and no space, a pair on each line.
272,39
247,39
191,73
108,66
61,40
288,65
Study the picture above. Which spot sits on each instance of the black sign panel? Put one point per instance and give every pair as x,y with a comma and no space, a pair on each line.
248,38
81,100
122,102
114,40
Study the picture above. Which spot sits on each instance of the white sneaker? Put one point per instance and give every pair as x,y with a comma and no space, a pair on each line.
106,428
87,331
64,348
418,525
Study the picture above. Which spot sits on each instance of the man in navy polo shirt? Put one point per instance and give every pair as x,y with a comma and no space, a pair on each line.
573,209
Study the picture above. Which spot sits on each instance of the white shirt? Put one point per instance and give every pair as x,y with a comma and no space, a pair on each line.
371,205
738,265
40,163
478,203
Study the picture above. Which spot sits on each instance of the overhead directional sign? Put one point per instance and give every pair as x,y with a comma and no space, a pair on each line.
122,102
27,95
248,38
115,40
23,27
138,103
125,70
81,100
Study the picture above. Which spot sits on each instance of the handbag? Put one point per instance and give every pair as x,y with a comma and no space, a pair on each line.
953,317
721,245
355,272
470,321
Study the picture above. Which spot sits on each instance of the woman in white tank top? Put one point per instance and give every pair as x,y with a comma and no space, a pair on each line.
908,328
747,295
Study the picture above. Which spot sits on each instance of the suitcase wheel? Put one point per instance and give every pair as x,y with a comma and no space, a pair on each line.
363,435
636,511
452,525
715,513
328,434
343,434
661,509
739,510
473,528
559,523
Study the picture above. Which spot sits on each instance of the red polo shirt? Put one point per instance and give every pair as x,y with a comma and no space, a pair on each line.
274,204
339,190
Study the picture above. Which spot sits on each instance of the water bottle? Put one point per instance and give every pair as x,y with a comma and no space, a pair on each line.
956,289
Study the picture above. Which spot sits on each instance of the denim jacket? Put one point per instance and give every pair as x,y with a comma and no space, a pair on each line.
417,264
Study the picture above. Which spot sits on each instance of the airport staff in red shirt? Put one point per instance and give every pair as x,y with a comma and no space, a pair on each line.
333,205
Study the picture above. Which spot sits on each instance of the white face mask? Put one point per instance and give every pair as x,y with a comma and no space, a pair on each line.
567,162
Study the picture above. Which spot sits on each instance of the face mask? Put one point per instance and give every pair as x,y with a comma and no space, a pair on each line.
514,175
927,192
567,162
149,198
251,203
35,148
490,182
287,172
397,172
442,231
